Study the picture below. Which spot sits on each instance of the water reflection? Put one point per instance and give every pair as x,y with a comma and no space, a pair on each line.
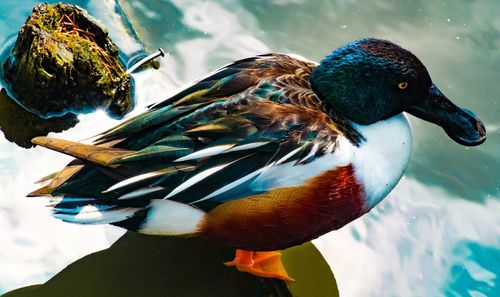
438,234
20,126
418,242
168,266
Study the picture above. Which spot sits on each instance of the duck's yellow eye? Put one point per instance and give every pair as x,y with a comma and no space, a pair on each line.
403,85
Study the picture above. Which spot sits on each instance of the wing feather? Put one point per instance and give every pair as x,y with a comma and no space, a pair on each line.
207,144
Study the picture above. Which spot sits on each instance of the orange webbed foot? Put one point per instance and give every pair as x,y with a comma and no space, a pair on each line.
263,264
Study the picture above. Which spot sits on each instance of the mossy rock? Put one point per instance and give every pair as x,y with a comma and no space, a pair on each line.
20,126
140,265
63,61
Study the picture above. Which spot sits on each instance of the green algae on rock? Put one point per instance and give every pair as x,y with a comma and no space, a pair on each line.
63,61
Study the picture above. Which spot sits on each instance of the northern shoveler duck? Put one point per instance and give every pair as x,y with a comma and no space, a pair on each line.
263,154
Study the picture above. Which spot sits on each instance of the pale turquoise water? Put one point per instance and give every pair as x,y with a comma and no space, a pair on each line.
439,232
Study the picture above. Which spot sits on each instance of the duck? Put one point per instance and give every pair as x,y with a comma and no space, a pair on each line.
263,154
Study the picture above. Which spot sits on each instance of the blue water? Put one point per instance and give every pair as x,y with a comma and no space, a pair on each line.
477,275
438,234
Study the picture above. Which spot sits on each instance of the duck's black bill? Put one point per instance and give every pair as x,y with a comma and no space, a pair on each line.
461,125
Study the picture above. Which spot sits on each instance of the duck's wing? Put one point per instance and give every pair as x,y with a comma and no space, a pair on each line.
223,138
275,77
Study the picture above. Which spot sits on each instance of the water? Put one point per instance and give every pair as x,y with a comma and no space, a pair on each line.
438,234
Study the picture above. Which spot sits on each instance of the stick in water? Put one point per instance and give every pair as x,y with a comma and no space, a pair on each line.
143,61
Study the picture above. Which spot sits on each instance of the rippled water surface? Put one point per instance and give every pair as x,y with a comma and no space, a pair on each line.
437,234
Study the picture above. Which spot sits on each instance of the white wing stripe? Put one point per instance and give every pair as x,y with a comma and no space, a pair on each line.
312,152
221,149
211,151
231,185
247,146
197,178
288,156
140,192
134,179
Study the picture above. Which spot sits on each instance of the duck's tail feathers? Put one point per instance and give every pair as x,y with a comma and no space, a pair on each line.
95,154
90,211
159,217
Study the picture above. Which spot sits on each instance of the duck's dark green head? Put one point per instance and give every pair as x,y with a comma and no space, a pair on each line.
370,80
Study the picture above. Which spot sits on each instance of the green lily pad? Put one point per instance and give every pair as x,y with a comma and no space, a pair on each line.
139,265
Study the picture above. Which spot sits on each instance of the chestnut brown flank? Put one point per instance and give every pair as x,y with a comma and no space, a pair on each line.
285,217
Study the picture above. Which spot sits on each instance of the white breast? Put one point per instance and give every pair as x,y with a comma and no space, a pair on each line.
380,161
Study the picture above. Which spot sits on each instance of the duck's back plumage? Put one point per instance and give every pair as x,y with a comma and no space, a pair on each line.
247,129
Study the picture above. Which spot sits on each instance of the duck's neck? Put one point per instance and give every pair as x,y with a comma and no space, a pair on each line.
381,157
